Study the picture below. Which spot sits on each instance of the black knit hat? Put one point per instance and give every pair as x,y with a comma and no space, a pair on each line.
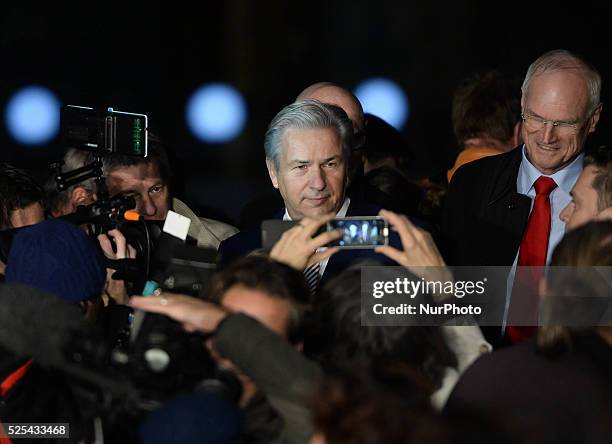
57,257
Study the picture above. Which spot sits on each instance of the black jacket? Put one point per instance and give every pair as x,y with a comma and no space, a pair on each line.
484,216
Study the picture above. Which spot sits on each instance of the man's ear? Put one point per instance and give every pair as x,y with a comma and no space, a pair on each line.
272,172
81,196
595,118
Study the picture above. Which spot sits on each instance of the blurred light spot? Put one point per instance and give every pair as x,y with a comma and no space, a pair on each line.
32,115
216,113
385,99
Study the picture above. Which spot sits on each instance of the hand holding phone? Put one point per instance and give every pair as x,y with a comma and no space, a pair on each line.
300,245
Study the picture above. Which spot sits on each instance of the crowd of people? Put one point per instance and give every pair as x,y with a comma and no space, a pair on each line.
281,330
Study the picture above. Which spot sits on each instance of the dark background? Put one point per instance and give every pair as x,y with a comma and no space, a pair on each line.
149,57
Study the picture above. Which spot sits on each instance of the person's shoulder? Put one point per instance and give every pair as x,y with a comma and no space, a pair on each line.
504,362
207,232
220,229
484,374
490,166
486,163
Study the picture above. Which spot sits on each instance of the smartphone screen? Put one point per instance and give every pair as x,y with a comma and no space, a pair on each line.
360,232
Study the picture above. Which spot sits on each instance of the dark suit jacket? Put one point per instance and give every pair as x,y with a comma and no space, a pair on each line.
484,216
250,239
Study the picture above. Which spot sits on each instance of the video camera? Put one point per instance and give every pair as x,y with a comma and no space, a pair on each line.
158,359
118,385
122,386
172,263
106,132
103,134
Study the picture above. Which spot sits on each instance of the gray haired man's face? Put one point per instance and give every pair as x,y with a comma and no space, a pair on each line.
312,173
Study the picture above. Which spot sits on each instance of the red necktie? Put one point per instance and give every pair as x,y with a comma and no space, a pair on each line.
534,247
535,240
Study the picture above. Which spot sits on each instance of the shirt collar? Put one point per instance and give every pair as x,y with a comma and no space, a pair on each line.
341,212
565,178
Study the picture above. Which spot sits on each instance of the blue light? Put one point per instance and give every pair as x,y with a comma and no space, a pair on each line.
216,113
32,115
385,99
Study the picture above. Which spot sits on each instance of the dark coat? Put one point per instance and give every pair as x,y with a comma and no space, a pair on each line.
560,399
484,217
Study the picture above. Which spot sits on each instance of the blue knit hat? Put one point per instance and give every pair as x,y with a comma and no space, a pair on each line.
57,257
196,418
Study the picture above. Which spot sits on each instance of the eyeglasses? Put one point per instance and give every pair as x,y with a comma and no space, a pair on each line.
534,123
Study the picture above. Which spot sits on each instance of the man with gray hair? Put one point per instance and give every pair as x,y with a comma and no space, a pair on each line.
307,148
267,204
504,210
489,205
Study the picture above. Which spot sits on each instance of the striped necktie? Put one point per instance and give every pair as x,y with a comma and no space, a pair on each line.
311,274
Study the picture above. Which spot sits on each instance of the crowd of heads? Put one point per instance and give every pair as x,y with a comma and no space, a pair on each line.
306,365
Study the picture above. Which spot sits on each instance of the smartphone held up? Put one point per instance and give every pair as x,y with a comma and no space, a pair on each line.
360,232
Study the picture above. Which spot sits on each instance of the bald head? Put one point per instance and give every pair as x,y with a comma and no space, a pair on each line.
333,94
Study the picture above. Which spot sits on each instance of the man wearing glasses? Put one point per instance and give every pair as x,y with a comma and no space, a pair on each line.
504,210
491,201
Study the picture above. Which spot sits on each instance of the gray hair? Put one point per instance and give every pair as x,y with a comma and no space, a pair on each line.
73,159
562,60
76,158
308,114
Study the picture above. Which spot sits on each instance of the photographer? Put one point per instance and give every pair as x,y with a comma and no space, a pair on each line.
147,180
